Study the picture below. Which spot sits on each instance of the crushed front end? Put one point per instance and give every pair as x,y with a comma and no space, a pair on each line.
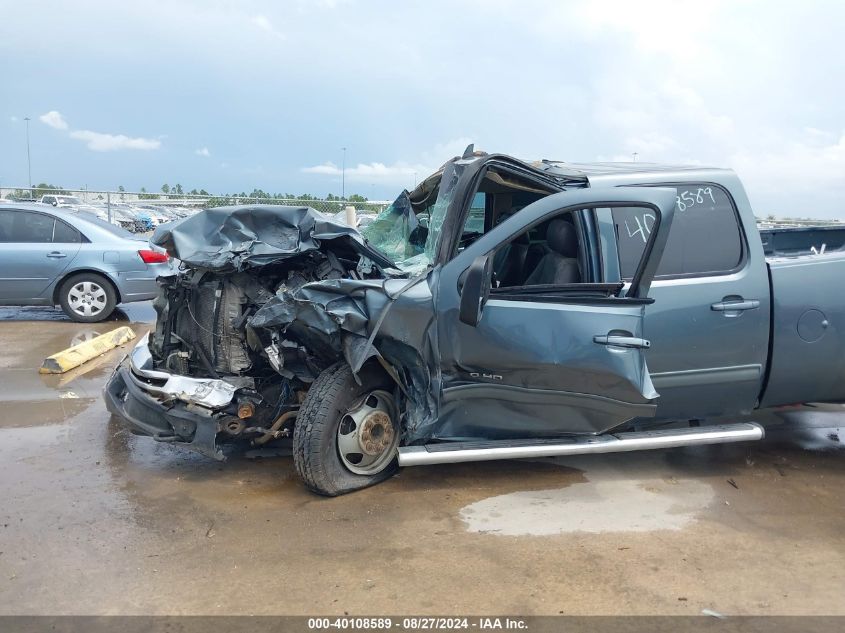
209,373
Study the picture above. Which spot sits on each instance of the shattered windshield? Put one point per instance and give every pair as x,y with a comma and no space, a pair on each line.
408,230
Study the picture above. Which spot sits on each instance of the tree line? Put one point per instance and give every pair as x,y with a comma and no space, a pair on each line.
177,190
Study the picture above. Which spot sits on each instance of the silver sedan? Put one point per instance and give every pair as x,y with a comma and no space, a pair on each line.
54,256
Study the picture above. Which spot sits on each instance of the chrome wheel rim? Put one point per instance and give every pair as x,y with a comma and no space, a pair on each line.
368,434
87,298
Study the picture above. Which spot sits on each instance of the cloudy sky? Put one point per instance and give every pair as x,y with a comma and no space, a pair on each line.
228,96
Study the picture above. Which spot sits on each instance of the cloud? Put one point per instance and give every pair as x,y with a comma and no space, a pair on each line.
401,173
328,169
325,4
264,23
808,164
662,121
54,119
203,151
652,26
99,142
13,119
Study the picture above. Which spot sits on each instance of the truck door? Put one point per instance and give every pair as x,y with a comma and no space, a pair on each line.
709,323
559,352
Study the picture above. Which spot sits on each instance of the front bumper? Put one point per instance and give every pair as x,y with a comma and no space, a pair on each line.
210,393
167,407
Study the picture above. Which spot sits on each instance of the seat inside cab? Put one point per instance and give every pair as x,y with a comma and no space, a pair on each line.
546,254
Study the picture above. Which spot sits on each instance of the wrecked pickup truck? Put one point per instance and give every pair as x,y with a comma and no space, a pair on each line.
501,309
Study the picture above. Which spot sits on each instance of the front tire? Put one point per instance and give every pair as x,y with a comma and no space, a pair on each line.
87,297
346,434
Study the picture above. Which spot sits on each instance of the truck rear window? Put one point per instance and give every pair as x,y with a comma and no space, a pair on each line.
705,237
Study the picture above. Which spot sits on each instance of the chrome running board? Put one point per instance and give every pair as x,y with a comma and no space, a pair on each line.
453,452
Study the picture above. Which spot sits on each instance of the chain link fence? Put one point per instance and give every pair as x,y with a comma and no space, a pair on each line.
189,202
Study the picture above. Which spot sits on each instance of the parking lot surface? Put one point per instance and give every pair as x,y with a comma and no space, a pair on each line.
96,521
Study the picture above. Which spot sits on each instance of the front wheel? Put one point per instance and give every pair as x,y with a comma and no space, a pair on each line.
346,434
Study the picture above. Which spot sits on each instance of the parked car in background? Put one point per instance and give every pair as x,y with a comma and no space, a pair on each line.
158,215
175,213
118,217
59,256
60,200
143,220
121,214
145,216
365,219
361,219
129,217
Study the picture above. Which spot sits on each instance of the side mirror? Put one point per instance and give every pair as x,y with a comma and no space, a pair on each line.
54,203
476,290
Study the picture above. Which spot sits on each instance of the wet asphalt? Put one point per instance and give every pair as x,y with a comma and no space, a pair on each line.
94,520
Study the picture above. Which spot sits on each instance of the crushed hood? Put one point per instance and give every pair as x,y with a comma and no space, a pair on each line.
225,239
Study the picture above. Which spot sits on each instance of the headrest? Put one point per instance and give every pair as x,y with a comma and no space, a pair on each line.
522,238
562,238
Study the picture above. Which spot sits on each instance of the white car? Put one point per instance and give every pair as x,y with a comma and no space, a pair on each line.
61,200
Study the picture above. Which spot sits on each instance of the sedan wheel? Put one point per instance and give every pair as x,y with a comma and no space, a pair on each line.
87,299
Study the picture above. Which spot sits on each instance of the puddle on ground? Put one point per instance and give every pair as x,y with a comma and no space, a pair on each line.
140,311
592,507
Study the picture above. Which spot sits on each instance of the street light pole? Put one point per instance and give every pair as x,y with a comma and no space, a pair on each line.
28,160
343,176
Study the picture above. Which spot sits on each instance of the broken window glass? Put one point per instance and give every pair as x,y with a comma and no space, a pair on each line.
408,230
391,232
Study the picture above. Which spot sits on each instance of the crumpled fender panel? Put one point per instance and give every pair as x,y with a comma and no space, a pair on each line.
339,316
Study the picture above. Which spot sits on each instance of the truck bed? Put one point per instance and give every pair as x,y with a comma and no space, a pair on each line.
801,240
807,337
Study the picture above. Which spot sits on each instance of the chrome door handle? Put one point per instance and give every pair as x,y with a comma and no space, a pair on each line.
622,341
56,255
731,306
